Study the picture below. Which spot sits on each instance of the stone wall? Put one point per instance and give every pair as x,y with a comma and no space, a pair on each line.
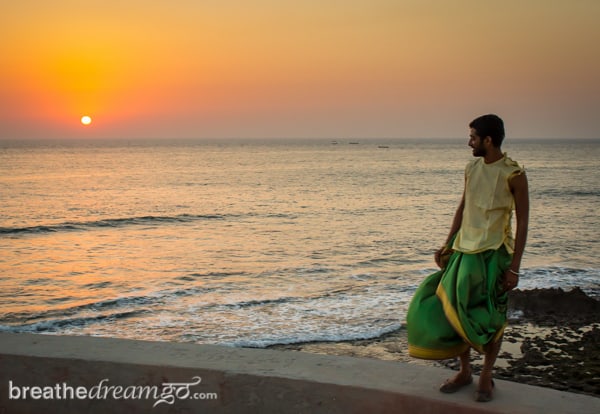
126,376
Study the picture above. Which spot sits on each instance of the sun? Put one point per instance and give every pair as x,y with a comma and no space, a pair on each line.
86,120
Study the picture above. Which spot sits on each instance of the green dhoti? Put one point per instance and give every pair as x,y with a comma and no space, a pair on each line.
460,306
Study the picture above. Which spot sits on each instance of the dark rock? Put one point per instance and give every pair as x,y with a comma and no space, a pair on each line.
554,306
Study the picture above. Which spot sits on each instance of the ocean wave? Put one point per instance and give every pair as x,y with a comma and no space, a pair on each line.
122,303
261,302
23,318
54,325
565,277
553,192
209,275
117,222
334,294
310,337
557,276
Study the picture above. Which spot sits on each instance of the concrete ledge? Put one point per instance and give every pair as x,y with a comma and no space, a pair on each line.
244,380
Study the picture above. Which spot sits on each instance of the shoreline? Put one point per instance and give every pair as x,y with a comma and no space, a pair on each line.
551,341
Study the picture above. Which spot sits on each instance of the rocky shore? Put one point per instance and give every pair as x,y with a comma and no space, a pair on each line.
552,340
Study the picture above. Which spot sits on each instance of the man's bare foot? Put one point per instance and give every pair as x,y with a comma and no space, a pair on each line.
485,388
454,384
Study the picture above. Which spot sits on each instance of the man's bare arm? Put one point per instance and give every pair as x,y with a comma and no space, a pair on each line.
520,190
456,223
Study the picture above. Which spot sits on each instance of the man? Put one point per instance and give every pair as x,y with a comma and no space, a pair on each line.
463,305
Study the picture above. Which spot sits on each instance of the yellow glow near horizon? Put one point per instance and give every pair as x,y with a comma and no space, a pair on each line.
311,68
86,120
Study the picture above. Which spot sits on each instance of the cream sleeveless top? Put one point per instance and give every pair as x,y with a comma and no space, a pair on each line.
489,203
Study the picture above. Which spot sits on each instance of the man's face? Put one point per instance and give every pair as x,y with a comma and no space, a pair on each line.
476,143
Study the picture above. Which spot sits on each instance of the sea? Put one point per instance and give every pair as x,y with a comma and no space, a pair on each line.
251,243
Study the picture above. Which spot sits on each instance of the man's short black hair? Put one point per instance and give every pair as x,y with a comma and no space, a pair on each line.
489,126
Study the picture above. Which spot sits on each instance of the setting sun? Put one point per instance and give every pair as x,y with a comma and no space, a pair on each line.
86,120
369,68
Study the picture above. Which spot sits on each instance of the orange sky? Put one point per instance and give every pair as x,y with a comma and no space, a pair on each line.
313,68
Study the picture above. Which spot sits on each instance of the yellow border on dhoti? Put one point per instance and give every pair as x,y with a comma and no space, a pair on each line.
426,353
452,317
499,334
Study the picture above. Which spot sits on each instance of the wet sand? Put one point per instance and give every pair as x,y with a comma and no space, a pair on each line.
552,340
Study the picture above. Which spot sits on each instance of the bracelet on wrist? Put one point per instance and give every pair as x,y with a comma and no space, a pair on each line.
514,273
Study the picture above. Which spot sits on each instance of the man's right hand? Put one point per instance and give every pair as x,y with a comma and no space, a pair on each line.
438,256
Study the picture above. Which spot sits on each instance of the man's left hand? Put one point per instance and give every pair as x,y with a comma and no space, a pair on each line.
510,281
